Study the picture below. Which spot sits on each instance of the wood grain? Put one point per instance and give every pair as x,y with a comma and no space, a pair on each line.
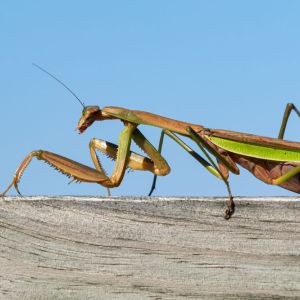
149,248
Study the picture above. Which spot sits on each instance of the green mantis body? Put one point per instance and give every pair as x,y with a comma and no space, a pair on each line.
274,161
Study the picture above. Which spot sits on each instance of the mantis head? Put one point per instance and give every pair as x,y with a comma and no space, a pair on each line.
89,115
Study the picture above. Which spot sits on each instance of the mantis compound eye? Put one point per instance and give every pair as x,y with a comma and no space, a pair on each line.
89,115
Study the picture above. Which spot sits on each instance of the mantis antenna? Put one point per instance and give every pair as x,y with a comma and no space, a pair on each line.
60,83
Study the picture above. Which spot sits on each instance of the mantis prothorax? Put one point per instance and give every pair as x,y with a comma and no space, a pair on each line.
274,161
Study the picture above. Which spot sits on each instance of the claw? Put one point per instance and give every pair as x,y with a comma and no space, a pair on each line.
8,188
230,209
62,164
20,171
13,183
17,188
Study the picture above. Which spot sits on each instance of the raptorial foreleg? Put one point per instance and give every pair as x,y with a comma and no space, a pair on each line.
121,153
68,167
79,171
155,163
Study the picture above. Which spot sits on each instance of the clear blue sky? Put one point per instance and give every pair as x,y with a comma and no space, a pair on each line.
223,64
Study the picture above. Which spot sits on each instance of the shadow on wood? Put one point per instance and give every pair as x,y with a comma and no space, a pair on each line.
148,248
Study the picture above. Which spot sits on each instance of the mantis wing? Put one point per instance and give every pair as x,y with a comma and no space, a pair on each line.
255,146
271,160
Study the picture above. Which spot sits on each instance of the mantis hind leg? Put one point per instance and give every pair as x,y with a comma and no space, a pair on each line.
286,115
204,146
287,176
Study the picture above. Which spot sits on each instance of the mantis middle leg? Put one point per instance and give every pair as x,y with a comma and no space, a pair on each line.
210,166
200,159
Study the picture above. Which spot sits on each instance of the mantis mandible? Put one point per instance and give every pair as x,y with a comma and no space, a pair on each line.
274,161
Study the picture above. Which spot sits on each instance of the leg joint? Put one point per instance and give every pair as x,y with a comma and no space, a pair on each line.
92,142
37,153
163,171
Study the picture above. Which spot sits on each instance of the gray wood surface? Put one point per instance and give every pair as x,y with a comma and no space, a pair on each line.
149,248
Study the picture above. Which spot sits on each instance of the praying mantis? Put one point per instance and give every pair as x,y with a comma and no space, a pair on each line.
273,161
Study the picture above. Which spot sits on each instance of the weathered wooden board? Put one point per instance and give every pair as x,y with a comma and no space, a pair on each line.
149,248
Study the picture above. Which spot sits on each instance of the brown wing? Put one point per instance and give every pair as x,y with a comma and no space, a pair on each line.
267,170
